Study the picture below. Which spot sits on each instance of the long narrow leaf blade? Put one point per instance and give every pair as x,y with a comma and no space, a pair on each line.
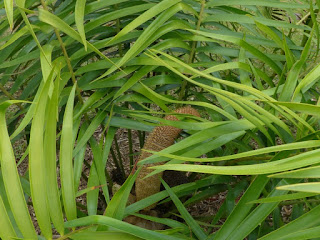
197,230
6,230
37,166
51,155
66,168
79,16
11,180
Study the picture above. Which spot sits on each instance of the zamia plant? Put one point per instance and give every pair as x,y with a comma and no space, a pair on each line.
70,69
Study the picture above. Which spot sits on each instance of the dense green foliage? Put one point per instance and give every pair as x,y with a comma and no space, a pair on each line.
68,68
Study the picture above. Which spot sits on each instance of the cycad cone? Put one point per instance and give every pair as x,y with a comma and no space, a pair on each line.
160,138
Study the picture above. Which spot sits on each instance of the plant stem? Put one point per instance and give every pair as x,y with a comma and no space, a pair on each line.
9,95
130,144
115,160
119,154
130,148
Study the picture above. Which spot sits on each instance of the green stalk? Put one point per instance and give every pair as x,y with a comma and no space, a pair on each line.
141,139
130,144
115,160
9,95
84,177
130,148
119,154
109,179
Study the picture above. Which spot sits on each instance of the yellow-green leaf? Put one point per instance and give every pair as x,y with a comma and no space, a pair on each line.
12,181
66,168
79,16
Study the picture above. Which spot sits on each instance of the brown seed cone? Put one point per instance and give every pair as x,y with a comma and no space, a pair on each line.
160,138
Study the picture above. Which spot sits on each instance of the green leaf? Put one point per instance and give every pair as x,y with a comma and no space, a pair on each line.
193,186
89,102
15,36
309,233
255,92
117,205
93,195
242,208
270,33
284,147
79,158
149,31
166,221
196,229
53,195
244,75
312,187
134,79
245,19
120,225
102,235
294,73
285,197
8,4
37,167
46,68
6,231
269,3
12,181
301,160
56,22
19,60
116,14
301,107
308,80
289,56
306,221
66,168
225,132
243,44
100,167
89,131
256,216
149,14
79,17
310,172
